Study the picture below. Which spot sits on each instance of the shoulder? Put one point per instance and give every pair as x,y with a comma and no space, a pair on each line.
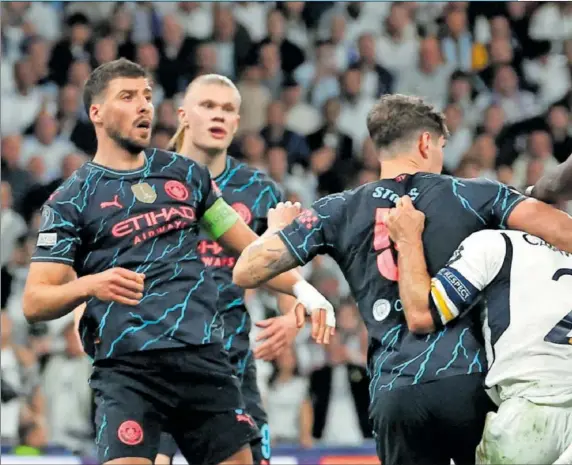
175,165
487,248
487,241
73,185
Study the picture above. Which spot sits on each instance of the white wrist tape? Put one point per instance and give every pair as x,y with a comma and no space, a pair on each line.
310,298
528,191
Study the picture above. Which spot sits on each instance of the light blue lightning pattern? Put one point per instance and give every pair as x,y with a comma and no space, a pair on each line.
476,362
456,183
242,364
503,196
182,306
394,334
239,330
225,178
398,370
458,347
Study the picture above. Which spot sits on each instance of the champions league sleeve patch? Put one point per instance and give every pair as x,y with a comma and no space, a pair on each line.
47,239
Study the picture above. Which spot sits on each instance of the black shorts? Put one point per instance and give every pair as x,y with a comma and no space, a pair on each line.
190,393
431,423
261,451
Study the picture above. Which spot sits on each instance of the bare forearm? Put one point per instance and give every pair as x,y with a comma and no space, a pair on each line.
414,286
44,302
286,303
264,259
556,185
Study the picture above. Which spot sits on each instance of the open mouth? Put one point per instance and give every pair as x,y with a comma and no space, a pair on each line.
143,125
217,132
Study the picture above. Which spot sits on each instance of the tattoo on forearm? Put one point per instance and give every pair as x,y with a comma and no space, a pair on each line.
265,262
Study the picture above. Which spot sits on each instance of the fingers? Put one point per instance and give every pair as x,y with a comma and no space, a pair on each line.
315,318
264,323
270,330
300,312
119,291
124,300
269,349
135,286
405,202
128,274
322,328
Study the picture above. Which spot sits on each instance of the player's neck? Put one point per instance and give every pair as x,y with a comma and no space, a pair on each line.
112,156
390,169
215,162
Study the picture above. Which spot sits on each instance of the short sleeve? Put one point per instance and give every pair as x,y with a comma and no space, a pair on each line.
59,235
475,263
492,202
314,231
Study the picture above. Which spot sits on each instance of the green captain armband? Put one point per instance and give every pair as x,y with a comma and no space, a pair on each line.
219,219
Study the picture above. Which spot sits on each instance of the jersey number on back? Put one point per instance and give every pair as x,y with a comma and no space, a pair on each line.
381,242
562,332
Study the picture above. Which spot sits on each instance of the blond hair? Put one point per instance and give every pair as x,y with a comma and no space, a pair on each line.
176,142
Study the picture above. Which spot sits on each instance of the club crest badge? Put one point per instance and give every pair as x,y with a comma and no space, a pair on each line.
144,192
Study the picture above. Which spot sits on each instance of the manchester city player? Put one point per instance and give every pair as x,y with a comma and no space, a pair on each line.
527,328
209,118
127,225
427,400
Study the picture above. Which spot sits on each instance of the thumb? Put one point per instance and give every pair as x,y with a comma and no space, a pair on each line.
406,202
300,311
264,323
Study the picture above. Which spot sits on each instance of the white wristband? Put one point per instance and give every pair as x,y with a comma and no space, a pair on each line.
313,301
528,191
302,287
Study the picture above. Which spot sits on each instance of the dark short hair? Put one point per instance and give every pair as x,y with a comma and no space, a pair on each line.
396,118
101,76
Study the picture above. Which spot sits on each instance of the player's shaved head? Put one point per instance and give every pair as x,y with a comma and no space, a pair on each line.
212,79
396,121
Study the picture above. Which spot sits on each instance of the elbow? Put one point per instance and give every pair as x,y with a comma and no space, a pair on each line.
241,277
421,323
30,308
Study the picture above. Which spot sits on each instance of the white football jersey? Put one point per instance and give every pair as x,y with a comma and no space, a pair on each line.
527,287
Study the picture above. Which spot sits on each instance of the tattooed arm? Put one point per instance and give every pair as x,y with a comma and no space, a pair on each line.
262,260
240,238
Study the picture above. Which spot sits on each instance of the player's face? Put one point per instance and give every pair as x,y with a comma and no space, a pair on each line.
210,111
126,113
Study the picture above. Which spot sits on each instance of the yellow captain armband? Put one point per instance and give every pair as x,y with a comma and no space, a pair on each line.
446,309
219,218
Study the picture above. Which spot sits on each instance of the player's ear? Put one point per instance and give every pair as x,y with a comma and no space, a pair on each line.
95,113
236,123
183,119
424,144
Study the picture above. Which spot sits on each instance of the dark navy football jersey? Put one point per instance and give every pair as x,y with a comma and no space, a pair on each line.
146,221
349,227
251,193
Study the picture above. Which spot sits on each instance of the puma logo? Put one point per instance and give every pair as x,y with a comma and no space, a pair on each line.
113,203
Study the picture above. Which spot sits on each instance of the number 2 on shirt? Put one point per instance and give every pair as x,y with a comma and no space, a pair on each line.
381,242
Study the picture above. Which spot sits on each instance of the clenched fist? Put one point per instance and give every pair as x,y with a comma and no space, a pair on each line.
404,222
283,214
117,285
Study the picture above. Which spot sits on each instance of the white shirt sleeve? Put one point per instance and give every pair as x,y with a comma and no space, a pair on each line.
475,263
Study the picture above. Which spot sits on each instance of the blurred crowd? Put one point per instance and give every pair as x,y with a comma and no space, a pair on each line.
308,73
